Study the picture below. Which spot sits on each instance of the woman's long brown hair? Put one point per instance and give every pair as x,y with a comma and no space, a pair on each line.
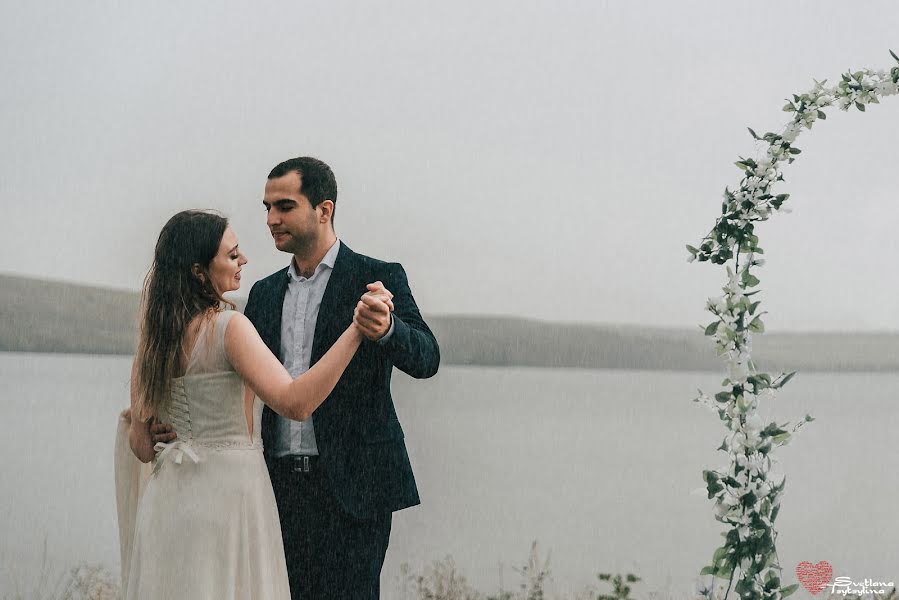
173,295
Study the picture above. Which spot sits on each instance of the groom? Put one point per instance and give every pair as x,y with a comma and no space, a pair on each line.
339,475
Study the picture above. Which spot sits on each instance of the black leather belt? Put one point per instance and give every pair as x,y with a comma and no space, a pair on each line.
298,464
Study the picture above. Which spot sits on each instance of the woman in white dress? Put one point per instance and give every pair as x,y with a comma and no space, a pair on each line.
206,525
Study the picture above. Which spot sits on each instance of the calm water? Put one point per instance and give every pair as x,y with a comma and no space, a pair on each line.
598,466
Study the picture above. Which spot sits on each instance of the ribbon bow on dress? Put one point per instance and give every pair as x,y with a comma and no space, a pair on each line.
177,450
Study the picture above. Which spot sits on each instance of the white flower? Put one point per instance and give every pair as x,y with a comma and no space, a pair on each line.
738,372
754,422
753,182
790,134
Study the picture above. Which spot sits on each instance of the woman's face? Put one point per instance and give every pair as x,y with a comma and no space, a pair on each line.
224,270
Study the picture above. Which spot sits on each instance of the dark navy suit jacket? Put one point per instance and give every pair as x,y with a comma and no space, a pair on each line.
360,441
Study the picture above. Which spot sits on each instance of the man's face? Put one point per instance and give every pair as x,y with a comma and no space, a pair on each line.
294,224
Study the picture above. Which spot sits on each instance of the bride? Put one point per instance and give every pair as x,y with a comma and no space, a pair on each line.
206,525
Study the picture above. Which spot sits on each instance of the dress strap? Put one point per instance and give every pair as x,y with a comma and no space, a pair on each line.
222,320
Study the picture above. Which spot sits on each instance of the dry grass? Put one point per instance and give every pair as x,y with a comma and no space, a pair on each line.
84,582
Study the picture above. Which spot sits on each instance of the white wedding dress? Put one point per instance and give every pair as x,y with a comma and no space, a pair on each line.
204,523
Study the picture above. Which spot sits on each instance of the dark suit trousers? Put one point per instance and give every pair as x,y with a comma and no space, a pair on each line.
330,554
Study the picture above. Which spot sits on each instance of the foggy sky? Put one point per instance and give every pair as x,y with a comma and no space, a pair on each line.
540,159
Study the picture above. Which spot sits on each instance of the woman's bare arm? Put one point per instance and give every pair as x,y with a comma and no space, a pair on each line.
139,432
292,398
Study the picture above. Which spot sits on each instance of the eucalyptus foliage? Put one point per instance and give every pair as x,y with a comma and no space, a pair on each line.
746,497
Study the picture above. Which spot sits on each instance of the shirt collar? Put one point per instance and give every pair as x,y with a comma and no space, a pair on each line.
327,262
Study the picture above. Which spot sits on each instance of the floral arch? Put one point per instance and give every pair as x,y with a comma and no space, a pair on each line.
746,499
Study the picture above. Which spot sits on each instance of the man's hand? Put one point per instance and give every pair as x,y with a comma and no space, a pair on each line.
372,314
377,290
162,432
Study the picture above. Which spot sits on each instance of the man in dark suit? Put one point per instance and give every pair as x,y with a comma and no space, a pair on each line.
339,475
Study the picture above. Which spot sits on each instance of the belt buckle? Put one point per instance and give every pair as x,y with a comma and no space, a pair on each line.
302,468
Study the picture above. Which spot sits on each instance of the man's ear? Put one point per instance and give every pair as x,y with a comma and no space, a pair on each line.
327,210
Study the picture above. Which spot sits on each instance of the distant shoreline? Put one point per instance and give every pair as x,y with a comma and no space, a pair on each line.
63,318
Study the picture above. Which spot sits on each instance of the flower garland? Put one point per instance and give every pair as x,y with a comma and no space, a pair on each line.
746,499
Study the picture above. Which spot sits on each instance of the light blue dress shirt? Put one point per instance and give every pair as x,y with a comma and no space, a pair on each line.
298,318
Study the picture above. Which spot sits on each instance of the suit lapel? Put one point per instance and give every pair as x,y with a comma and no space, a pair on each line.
340,286
269,328
271,333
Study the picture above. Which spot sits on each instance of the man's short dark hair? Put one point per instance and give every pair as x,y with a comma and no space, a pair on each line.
317,180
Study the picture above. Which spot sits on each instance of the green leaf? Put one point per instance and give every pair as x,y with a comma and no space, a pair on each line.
788,590
795,151
894,55
712,484
754,306
822,115
783,382
781,438
707,571
860,106
722,396
753,134
757,325
749,280
712,327
692,250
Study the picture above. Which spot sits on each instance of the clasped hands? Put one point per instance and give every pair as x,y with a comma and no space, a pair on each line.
372,313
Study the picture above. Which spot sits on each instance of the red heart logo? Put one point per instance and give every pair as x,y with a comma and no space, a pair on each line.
814,577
